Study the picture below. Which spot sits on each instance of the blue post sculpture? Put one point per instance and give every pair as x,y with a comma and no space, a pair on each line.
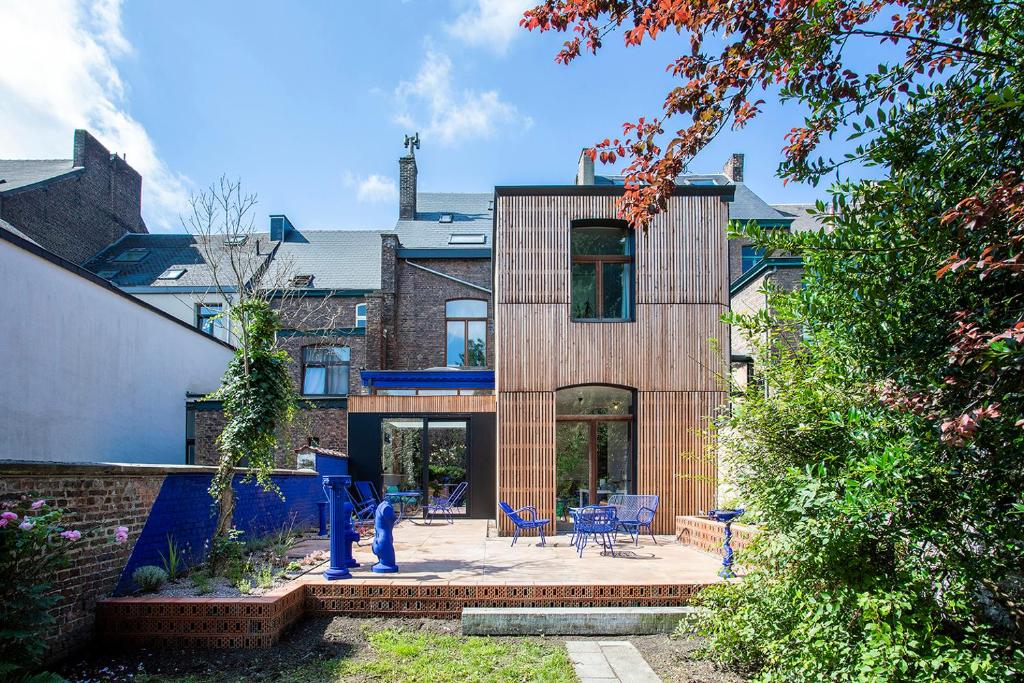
726,517
342,533
383,539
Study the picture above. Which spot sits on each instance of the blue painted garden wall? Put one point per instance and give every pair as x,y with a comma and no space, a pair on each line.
184,509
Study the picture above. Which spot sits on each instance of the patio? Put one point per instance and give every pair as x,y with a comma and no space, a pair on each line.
463,553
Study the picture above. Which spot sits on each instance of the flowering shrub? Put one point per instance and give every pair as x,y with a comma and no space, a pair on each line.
34,544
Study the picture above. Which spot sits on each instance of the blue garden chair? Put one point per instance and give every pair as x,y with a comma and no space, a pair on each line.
443,505
635,513
524,523
599,522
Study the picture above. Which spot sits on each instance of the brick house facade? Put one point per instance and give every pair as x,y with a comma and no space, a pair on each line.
73,207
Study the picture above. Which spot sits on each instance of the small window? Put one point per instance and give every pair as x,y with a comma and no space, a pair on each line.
325,370
602,273
700,181
133,255
445,218
302,281
751,256
172,274
209,318
360,315
467,238
466,333
236,240
108,274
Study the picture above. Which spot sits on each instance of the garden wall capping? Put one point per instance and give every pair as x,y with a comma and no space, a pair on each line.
35,467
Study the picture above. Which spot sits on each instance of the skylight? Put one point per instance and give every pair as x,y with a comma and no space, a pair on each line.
302,281
133,255
701,181
445,218
172,274
108,274
236,240
467,238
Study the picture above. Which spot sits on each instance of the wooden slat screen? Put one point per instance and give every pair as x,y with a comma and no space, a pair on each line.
526,453
421,404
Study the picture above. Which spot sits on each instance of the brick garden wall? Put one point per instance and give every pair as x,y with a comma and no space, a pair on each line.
708,535
101,497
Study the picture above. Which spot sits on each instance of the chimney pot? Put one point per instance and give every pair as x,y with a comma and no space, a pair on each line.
734,168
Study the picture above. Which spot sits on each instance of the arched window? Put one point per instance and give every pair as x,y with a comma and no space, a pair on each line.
602,272
593,444
466,333
360,315
325,370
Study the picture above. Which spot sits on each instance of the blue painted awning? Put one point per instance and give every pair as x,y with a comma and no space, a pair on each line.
428,379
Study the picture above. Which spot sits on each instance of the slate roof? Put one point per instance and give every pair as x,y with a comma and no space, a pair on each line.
10,228
745,206
337,259
16,173
472,213
802,220
167,252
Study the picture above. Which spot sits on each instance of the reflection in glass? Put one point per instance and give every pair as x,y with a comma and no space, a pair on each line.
401,454
584,290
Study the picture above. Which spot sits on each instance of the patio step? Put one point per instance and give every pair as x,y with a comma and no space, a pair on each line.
578,621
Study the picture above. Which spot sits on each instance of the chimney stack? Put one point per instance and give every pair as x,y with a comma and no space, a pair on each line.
407,180
585,169
734,168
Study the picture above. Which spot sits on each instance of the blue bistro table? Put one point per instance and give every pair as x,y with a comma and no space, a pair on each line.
402,498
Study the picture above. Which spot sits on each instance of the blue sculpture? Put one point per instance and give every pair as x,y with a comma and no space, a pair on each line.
342,533
383,539
726,517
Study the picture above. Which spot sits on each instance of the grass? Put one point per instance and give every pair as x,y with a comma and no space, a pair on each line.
399,656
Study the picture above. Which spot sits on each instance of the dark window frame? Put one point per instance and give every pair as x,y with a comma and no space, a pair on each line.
599,260
465,320
327,389
212,318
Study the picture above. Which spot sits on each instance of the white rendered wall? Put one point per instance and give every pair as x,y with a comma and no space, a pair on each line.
87,374
182,305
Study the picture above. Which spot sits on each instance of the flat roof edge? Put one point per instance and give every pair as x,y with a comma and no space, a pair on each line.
726,192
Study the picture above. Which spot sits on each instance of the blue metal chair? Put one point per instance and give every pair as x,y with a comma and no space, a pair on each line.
599,521
444,505
522,522
635,512
362,512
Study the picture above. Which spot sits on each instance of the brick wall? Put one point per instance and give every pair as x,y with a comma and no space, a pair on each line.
152,501
420,309
78,216
709,535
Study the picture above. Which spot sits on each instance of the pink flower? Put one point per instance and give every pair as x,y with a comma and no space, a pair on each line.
71,535
121,534
26,525
9,516
3,522
38,504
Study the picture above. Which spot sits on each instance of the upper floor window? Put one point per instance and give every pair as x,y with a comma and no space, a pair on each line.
208,318
751,256
466,329
325,370
602,273
360,315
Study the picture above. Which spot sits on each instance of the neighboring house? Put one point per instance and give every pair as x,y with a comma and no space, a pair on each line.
90,373
72,207
188,276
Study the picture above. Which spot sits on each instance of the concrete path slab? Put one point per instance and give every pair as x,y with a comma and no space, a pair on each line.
609,660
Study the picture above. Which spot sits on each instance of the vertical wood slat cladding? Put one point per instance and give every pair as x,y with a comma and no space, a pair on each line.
671,455
681,291
667,348
526,453
421,404
681,258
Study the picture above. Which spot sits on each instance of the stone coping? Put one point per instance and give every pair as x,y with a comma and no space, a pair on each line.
42,467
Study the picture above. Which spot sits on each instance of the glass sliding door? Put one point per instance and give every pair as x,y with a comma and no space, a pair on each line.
430,455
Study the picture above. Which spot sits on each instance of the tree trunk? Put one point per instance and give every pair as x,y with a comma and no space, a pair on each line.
226,509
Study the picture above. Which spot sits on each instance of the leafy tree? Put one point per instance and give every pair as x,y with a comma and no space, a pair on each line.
885,462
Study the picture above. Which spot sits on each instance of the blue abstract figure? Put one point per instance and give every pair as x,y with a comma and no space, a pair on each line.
383,539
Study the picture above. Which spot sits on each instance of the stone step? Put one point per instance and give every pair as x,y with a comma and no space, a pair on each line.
576,621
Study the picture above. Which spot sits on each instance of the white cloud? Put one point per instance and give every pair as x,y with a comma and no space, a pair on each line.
430,103
58,75
373,188
492,24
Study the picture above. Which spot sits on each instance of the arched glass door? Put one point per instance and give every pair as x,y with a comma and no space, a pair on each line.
593,447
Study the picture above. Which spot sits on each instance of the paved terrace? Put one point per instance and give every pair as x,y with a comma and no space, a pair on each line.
461,553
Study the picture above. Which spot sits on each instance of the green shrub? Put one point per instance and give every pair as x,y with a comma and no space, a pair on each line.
202,583
149,578
244,586
265,576
172,562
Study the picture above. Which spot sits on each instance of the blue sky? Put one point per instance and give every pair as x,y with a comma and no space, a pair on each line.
308,102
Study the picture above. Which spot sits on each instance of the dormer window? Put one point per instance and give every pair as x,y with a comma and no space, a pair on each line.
236,240
445,218
302,281
171,274
467,238
133,255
